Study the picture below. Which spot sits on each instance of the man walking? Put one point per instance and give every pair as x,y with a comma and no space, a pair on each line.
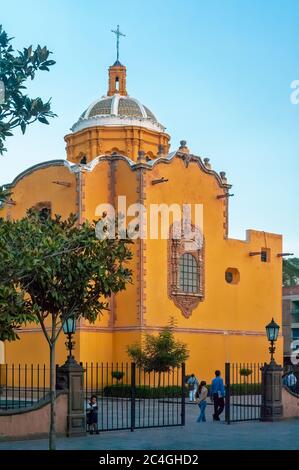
217,395
291,381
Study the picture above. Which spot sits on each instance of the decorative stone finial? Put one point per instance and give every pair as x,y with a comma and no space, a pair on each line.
207,163
223,176
183,147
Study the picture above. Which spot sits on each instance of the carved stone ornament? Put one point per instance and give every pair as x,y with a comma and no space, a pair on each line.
178,245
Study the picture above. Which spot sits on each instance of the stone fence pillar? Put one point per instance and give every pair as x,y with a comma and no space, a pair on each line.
272,408
70,377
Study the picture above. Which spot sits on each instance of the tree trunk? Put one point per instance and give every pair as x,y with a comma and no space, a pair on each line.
52,435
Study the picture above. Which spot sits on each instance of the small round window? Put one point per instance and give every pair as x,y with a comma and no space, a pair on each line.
232,276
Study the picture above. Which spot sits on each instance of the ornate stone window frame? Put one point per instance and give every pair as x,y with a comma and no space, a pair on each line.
43,205
186,302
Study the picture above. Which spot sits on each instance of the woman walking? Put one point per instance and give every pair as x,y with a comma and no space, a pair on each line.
202,394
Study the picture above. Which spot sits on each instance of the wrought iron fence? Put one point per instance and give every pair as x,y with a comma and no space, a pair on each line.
130,398
243,392
22,385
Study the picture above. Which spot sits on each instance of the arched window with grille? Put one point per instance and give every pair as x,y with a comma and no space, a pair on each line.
188,274
186,286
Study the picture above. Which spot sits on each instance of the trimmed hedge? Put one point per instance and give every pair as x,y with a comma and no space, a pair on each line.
246,389
124,391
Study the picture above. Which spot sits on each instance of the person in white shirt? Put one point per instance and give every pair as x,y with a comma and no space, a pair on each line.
92,415
192,386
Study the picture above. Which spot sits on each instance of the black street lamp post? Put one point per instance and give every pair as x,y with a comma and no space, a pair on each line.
70,378
271,409
69,328
272,330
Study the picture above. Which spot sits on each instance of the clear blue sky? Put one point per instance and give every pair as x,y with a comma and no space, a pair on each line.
216,73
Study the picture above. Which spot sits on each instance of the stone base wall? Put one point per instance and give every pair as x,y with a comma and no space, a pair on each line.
33,422
290,404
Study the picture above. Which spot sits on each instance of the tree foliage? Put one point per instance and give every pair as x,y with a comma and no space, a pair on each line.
4,195
51,267
17,109
159,353
291,271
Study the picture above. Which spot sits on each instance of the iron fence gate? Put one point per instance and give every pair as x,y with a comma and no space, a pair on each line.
23,385
243,392
130,398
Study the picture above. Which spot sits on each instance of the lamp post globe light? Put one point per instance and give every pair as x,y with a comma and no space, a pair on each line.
272,330
271,407
69,328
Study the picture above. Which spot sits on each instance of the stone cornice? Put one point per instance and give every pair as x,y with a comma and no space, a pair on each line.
154,328
40,166
134,166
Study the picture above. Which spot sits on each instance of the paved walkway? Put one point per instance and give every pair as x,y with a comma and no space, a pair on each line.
252,435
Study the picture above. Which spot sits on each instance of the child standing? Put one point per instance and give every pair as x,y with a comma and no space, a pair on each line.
202,401
92,415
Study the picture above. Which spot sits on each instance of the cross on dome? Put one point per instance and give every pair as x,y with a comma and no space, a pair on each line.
118,34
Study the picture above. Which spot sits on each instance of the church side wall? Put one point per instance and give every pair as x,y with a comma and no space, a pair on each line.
229,324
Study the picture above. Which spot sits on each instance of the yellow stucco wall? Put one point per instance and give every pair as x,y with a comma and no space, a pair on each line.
126,140
229,324
40,184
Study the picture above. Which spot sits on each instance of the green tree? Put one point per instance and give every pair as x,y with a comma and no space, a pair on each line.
4,194
51,269
291,271
159,353
17,109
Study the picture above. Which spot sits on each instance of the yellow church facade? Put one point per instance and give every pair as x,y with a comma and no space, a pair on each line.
219,295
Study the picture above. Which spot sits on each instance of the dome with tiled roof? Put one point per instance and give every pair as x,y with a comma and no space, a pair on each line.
117,108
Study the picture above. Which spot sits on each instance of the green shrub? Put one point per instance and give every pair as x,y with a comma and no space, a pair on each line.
174,391
246,389
245,372
117,374
124,391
